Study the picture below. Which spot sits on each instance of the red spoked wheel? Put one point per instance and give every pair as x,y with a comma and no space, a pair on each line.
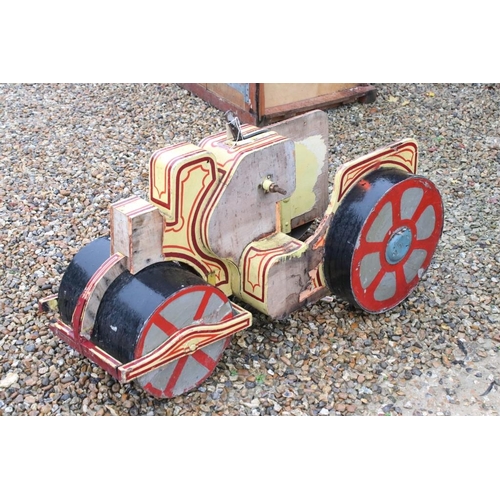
202,304
382,239
140,312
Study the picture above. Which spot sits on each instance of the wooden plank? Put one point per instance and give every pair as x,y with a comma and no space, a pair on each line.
279,94
275,113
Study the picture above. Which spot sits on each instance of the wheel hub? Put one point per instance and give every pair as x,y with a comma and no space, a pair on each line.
398,245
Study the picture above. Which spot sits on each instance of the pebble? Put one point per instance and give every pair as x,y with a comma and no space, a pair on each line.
69,150
10,379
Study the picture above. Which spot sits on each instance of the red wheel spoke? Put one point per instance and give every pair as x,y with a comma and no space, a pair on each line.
426,245
176,374
164,325
372,247
202,306
204,359
421,245
401,284
424,203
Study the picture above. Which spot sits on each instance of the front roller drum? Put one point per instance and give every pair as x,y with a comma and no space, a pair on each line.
140,312
382,239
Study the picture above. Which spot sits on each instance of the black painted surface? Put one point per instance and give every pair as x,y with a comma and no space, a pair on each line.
131,300
79,272
346,226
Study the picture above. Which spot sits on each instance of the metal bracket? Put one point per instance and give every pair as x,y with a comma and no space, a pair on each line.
234,127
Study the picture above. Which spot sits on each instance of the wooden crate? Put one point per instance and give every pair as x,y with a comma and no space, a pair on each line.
264,103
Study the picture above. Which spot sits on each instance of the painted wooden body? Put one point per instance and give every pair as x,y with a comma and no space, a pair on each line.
247,218
223,224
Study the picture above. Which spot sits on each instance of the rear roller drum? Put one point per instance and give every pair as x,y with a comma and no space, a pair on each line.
78,274
382,239
140,312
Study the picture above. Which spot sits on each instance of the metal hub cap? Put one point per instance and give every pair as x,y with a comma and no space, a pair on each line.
398,245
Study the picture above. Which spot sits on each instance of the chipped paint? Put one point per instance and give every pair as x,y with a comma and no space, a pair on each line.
309,155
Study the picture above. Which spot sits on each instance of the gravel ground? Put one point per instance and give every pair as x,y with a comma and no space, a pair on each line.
68,151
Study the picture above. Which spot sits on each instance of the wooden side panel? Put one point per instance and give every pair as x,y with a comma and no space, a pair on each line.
262,286
184,182
136,232
310,198
244,211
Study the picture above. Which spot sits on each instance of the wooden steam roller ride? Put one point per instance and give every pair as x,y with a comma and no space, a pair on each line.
245,214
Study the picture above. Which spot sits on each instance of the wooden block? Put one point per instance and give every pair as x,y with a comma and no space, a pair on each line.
137,232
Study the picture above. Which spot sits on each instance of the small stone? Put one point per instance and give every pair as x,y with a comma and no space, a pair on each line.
387,408
10,379
285,360
446,361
